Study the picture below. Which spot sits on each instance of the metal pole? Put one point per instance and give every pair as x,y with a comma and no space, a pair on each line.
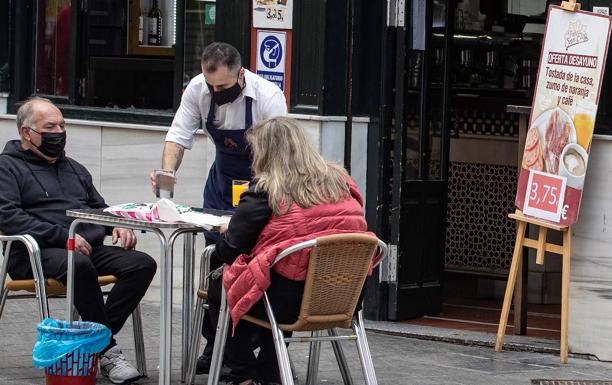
348,128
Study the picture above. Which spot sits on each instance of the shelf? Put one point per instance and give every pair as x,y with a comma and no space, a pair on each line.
490,38
133,48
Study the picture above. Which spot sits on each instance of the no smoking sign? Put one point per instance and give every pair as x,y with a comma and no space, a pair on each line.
271,54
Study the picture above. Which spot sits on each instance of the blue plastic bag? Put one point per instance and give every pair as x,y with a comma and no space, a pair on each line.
58,338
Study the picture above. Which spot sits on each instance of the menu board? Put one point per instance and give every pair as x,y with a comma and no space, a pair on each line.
276,14
563,114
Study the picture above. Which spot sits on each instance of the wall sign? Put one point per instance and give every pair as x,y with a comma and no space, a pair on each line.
271,52
563,115
273,14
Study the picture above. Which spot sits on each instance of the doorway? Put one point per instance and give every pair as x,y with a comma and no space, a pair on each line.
455,166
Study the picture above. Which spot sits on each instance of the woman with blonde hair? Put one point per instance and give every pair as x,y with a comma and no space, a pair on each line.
295,196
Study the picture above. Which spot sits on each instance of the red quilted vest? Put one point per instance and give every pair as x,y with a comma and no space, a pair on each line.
249,276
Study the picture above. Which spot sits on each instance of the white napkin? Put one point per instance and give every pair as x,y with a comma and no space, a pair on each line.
169,212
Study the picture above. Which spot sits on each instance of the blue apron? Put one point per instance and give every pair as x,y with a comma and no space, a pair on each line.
232,160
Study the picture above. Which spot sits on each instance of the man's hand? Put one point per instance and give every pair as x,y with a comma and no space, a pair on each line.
81,245
223,228
127,237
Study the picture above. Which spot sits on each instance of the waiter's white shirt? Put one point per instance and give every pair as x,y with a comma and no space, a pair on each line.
268,102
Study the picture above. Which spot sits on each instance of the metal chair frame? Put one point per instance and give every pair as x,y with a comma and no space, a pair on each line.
280,341
42,297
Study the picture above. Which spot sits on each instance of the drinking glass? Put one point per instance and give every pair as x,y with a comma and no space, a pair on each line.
164,181
238,187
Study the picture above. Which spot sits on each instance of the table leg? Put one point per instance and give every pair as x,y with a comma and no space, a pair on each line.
165,317
188,259
70,271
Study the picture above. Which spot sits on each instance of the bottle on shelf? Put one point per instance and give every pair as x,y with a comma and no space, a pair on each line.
155,25
140,27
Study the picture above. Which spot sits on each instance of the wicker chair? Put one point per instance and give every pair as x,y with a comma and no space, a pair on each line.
42,288
337,271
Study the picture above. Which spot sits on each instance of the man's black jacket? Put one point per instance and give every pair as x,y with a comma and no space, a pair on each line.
35,194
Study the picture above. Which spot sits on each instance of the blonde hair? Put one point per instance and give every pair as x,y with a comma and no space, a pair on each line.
289,170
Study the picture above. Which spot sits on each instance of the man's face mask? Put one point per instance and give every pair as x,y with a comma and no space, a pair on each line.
227,95
52,143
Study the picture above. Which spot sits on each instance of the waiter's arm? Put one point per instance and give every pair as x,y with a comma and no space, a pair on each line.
172,156
186,122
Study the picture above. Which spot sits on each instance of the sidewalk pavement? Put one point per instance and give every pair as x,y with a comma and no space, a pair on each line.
397,359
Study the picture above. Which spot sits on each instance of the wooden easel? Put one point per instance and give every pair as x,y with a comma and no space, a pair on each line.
541,245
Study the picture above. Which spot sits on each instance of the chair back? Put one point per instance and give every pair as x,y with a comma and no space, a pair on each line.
337,271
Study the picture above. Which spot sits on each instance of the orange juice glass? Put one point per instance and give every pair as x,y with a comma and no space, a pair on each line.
584,121
238,187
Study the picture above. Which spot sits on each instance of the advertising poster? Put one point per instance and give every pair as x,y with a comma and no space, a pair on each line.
276,14
563,114
271,52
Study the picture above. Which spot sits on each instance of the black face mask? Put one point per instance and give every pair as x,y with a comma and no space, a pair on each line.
52,143
225,96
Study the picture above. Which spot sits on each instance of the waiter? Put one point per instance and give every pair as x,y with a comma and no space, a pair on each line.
225,100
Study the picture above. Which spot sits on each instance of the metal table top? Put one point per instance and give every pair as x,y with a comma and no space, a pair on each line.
100,215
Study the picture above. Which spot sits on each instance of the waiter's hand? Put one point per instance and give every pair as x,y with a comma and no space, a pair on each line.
127,237
81,245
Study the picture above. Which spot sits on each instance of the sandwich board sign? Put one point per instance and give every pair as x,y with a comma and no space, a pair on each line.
563,113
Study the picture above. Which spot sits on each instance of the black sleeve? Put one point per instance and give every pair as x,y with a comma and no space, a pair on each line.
94,199
249,219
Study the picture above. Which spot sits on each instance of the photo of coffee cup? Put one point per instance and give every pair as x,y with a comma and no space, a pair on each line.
573,165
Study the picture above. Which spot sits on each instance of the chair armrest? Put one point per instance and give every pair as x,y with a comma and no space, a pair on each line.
33,252
205,266
381,253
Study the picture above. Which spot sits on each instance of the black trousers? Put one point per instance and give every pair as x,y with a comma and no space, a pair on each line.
208,327
134,271
285,297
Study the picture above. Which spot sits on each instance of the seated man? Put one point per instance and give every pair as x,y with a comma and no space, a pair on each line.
38,183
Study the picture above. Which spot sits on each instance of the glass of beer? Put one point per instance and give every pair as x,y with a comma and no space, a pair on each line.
238,187
584,121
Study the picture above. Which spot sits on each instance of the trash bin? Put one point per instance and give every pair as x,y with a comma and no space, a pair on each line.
69,351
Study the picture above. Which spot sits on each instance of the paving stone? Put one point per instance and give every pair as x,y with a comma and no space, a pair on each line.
397,359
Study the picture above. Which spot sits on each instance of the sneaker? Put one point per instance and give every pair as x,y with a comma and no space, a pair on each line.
114,366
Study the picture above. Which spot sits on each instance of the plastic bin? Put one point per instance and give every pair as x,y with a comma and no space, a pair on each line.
69,351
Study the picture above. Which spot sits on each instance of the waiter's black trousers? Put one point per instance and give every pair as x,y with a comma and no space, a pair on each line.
134,270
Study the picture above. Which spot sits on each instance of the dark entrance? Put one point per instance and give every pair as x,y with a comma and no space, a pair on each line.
420,143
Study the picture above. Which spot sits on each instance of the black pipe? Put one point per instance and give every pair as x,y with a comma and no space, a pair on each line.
446,90
348,126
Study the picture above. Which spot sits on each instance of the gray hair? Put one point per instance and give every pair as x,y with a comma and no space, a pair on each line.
24,113
221,54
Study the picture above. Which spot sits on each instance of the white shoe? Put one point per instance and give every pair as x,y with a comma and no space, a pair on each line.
114,366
